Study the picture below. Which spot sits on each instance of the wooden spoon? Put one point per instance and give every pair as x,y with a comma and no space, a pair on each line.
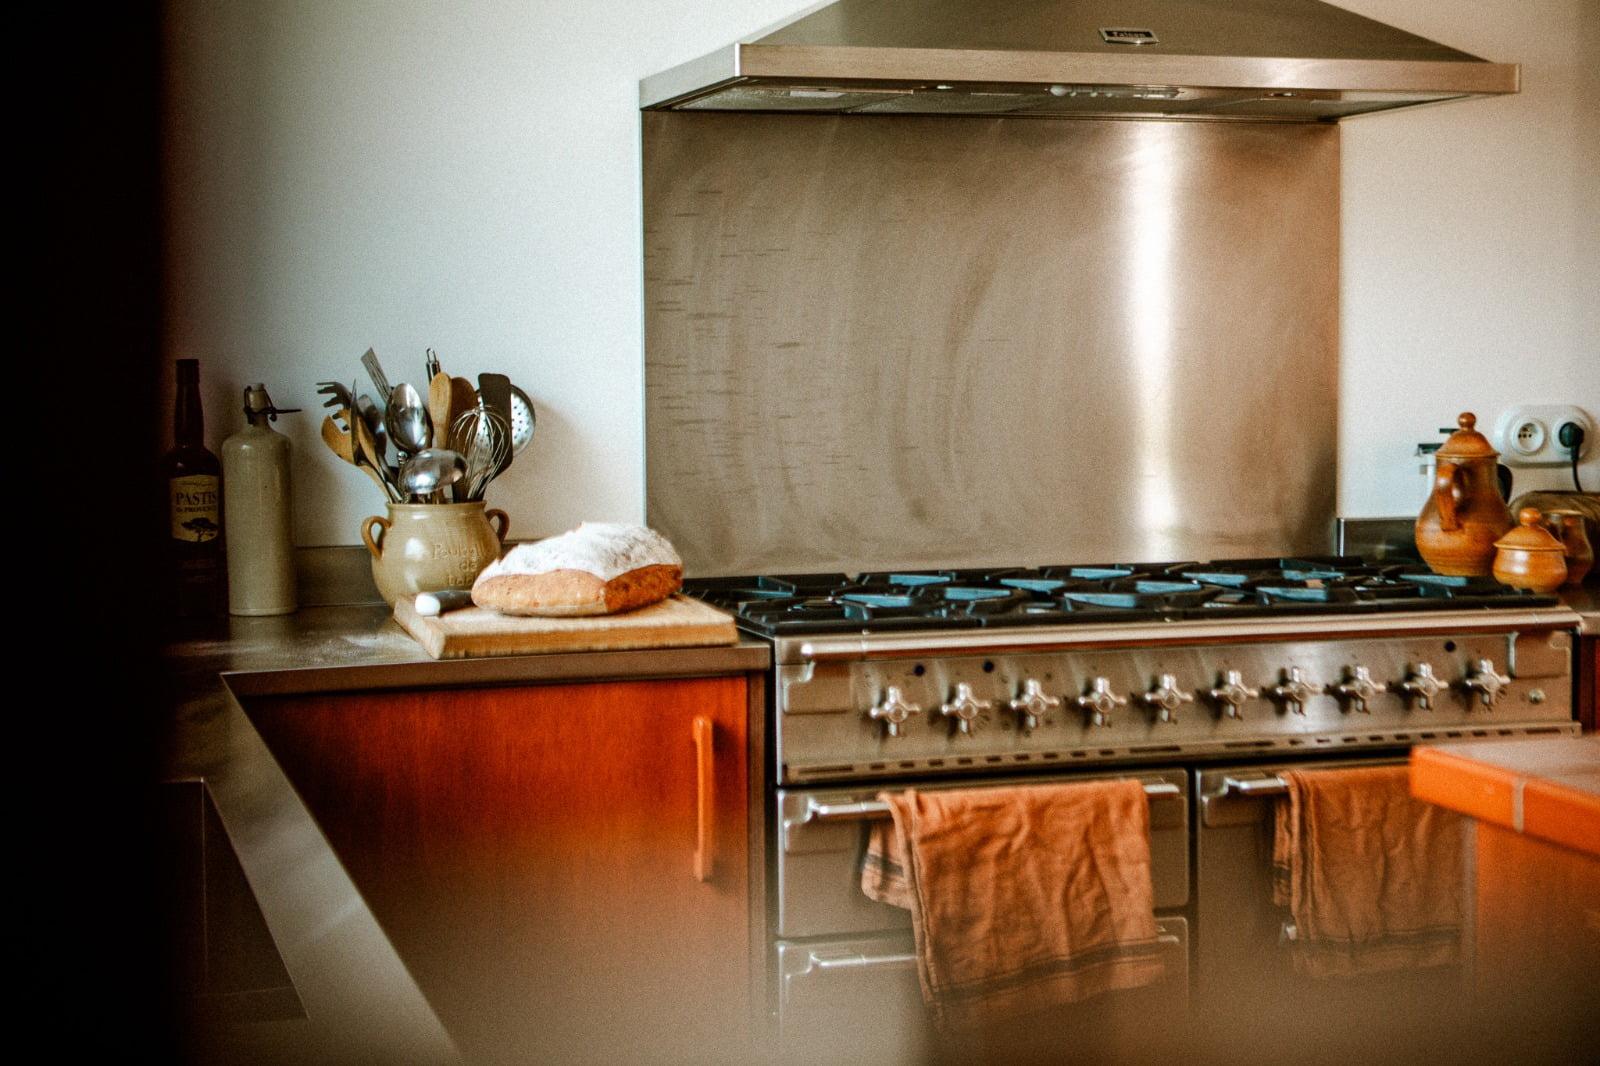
439,408
463,398
341,444
366,450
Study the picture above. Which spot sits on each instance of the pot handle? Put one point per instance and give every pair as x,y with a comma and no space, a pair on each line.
1445,486
374,544
500,520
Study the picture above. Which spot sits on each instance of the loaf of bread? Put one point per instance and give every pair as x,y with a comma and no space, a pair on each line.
598,568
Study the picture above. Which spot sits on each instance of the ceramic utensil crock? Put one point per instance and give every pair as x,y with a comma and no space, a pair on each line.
1568,528
1528,557
1465,513
429,547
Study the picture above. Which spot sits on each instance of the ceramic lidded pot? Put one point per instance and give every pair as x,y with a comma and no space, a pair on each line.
1465,513
431,547
1528,557
1567,527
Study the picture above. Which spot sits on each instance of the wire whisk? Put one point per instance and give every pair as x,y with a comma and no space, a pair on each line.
484,439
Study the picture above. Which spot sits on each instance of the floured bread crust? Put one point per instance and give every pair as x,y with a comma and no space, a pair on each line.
562,593
598,568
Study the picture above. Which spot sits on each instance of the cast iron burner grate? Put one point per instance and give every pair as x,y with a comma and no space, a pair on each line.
888,601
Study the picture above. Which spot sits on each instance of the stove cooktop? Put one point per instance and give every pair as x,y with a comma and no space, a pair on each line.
798,604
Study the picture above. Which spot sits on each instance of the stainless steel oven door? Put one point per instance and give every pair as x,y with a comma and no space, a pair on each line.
859,1000
822,836
1241,956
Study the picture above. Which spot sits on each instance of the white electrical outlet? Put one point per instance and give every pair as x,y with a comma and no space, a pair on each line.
1526,435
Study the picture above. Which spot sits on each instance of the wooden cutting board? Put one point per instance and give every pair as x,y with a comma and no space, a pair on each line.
678,622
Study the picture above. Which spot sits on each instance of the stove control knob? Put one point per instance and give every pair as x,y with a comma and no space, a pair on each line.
1486,683
1294,691
1358,688
964,707
1166,698
1100,701
1422,686
893,711
1033,704
1231,694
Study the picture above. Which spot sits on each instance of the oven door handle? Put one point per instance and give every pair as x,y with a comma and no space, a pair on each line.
874,810
1255,786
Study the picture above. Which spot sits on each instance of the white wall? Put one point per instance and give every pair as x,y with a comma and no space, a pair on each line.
465,175
1471,248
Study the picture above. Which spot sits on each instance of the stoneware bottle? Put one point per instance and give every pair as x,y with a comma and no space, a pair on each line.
1567,527
431,547
1465,513
1528,557
255,490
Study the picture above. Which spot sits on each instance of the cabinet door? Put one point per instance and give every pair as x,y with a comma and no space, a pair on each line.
563,868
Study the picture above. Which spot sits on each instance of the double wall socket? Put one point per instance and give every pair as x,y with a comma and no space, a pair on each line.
1527,435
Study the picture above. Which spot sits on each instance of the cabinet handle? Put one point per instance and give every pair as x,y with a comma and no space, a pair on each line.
705,776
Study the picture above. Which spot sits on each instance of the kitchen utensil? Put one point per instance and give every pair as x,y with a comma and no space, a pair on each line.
463,398
407,418
337,395
375,374
1568,528
431,365
522,418
1529,557
368,450
672,623
484,438
373,418
425,547
342,444
494,392
439,405
433,604
1464,514
431,470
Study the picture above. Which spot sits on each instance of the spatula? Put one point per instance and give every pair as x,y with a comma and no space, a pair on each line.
495,392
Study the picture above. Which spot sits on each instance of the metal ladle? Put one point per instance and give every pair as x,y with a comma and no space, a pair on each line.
431,470
407,418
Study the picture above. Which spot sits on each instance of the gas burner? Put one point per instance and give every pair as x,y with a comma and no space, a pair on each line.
1069,594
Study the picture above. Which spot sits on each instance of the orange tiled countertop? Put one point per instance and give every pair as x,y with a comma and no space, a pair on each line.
1548,789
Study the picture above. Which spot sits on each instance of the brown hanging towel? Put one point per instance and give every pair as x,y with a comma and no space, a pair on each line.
1022,898
1371,876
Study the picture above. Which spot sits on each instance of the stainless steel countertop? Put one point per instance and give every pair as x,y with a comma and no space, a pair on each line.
361,1003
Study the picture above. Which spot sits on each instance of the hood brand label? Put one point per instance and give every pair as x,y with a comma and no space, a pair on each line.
1124,35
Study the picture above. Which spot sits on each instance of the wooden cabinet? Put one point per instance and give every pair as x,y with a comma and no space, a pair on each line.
565,868
1589,683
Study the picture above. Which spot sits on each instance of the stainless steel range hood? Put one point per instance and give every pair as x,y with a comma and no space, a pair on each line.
1284,60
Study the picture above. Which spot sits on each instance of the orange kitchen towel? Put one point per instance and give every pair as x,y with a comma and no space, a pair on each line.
1372,877
1022,898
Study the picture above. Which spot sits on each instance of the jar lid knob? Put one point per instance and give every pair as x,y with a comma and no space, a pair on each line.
1467,420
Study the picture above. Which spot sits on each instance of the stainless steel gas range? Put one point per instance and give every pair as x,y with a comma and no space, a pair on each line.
1202,680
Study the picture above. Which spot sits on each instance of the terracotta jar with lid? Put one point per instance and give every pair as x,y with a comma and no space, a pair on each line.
1567,527
1528,557
1465,513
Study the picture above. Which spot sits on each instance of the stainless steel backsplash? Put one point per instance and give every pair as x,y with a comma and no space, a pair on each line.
916,342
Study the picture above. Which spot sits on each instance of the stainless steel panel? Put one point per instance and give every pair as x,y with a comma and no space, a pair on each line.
818,876
825,731
858,1000
895,342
